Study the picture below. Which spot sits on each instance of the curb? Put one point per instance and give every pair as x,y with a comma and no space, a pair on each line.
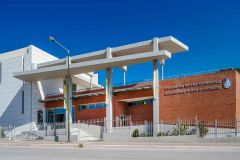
196,147
39,145
94,145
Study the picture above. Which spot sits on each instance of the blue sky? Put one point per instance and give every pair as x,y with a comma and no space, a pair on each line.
210,28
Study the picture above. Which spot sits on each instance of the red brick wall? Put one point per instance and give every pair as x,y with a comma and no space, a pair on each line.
92,113
221,104
140,113
238,95
54,104
206,105
119,108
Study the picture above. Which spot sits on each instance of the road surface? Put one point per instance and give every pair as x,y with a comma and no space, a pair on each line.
67,153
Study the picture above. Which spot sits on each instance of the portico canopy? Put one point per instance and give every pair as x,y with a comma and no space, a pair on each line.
124,55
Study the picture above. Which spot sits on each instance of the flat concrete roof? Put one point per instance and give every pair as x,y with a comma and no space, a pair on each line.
124,55
168,43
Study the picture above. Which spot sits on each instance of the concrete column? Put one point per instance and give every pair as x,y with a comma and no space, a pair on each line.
108,90
68,104
68,99
91,74
162,62
155,90
124,69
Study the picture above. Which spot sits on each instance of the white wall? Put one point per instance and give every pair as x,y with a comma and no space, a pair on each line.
46,86
11,88
40,56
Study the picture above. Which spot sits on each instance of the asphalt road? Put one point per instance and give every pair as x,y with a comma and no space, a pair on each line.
54,153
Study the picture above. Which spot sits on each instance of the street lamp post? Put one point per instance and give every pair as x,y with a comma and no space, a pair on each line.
68,77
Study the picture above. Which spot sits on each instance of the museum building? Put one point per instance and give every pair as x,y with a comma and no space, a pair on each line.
207,96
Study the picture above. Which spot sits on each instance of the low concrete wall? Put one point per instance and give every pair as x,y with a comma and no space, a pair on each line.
118,134
13,132
60,138
87,131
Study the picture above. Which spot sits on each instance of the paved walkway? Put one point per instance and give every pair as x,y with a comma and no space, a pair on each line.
102,144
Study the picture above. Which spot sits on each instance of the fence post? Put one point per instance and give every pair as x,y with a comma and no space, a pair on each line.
197,126
146,128
65,128
117,122
14,133
236,126
161,128
45,128
177,124
79,132
130,120
104,124
215,128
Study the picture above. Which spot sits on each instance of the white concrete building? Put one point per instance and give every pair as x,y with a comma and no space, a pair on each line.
20,104
29,74
155,50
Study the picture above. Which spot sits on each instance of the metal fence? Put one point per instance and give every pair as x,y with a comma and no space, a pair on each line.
180,127
124,124
8,131
92,129
200,128
128,126
52,129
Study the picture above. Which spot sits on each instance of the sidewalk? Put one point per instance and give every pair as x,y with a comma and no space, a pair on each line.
157,145
123,145
40,143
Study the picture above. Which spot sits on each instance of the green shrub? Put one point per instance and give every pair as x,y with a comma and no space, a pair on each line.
161,134
135,133
203,130
164,134
181,129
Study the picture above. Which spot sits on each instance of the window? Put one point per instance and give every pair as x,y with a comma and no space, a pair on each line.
40,117
22,101
82,107
141,102
100,105
58,115
74,87
50,115
149,101
130,103
92,106
73,113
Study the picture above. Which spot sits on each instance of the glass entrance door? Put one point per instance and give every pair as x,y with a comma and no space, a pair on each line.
59,118
57,115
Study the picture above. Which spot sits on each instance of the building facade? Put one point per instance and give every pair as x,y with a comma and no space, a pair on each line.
21,105
207,96
155,50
